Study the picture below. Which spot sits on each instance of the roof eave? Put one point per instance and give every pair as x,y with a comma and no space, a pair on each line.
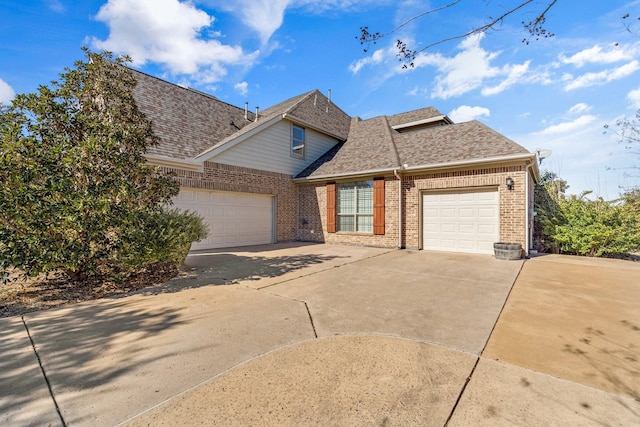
346,175
512,158
173,163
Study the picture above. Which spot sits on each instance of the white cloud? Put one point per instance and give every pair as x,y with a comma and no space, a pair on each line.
515,74
466,113
56,6
377,57
634,98
571,126
263,16
6,92
596,55
603,77
168,32
469,70
266,16
579,108
242,88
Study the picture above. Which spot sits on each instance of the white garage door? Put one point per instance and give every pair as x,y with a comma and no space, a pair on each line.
234,219
463,221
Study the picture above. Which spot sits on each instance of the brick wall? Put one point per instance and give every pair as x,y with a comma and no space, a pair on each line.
312,206
513,203
301,209
313,216
216,176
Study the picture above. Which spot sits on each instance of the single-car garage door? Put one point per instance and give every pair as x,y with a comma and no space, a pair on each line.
234,219
461,221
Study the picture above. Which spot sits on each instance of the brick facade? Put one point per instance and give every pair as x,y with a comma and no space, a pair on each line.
301,209
216,176
313,216
513,205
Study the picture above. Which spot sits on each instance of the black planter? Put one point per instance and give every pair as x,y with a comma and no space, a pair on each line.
507,251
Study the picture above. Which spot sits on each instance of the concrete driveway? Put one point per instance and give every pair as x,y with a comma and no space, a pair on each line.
336,335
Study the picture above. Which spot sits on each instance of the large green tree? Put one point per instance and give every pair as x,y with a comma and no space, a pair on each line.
77,194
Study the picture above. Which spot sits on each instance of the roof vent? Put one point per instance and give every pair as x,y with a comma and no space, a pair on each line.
329,98
257,109
246,110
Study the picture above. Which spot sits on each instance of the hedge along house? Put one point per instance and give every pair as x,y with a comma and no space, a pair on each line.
305,170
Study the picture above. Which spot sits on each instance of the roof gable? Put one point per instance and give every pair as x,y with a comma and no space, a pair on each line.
311,109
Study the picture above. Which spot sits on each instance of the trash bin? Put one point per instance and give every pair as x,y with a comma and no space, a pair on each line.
507,251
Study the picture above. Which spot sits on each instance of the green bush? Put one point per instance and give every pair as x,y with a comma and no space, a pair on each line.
163,236
77,193
597,227
580,226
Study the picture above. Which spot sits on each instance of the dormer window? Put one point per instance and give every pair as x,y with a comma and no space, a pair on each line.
297,142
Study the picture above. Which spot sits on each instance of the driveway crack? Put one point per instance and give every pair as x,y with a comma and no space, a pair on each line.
44,374
464,387
311,319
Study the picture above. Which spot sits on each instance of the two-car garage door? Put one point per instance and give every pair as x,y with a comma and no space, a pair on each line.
461,221
234,219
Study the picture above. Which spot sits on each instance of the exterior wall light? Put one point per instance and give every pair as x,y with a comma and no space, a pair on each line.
510,183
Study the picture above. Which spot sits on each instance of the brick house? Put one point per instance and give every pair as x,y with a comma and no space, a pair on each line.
305,170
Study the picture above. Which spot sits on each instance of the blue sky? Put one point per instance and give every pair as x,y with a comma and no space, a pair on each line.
554,94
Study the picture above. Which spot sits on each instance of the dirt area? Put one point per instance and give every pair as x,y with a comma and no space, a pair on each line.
23,294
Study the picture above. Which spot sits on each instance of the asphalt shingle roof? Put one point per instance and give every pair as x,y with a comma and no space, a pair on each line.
372,144
191,123
187,121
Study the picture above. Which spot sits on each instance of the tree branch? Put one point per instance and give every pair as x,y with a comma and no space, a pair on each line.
407,55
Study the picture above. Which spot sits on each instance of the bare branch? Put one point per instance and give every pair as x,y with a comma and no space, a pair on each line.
408,56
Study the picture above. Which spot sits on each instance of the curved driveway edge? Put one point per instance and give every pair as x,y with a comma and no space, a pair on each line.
340,381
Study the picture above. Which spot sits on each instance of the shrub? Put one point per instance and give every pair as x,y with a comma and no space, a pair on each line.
163,236
597,228
77,193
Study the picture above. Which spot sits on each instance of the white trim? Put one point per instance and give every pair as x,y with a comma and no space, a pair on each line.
473,162
170,162
441,117
427,167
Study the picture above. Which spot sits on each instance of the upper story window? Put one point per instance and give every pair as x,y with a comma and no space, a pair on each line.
355,206
297,142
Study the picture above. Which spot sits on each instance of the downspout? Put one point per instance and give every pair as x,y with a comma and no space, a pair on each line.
395,172
528,227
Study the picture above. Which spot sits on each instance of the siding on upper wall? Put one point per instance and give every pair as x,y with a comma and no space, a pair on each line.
270,150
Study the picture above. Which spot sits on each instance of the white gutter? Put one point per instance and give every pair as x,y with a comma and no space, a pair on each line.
170,162
427,167
473,162
395,172
345,175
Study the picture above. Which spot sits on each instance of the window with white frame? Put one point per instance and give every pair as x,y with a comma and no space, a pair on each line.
355,206
297,142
